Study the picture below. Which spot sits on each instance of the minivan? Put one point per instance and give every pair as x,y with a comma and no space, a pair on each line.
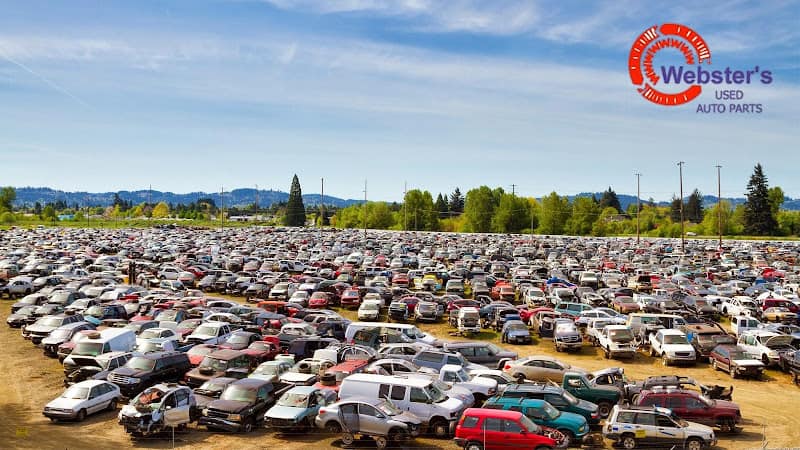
420,396
408,329
105,341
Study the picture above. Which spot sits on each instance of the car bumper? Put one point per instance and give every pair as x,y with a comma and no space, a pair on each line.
690,360
570,345
749,371
627,353
223,424
519,339
461,442
59,414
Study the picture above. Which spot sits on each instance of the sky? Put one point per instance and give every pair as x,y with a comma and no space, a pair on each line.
532,96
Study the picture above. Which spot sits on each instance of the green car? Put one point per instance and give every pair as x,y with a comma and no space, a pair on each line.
573,426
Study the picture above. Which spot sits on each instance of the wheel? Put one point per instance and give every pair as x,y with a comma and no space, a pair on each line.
520,378
765,360
694,444
440,428
558,349
348,439
479,399
81,415
112,405
381,442
333,427
396,435
603,409
664,360
569,437
247,425
53,419
503,339
714,364
628,442
473,446
727,426
606,353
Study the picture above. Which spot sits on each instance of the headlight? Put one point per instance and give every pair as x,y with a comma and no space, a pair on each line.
236,417
204,412
134,380
582,428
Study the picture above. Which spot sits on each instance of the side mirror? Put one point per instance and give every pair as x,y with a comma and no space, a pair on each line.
523,432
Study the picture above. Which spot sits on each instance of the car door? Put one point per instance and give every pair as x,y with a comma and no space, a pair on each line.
552,371
175,407
513,436
493,436
667,430
644,428
418,403
722,359
95,400
372,420
697,411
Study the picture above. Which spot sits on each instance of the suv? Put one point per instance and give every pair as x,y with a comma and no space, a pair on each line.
690,405
241,406
219,363
148,369
672,346
631,426
490,429
558,397
483,353
574,427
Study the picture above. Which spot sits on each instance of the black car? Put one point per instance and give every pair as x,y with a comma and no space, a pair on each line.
241,406
20,317
141,372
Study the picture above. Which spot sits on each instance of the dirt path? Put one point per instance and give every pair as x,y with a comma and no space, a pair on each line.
31,380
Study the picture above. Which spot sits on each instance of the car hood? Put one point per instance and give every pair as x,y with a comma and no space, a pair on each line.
699,429
407,417
38,328
724,404
783,340
231,406
485,382
678,348
571,420
63,403
587,406
285,412
128,372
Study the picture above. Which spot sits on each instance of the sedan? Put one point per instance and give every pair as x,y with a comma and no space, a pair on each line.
83,399
539,368
778,314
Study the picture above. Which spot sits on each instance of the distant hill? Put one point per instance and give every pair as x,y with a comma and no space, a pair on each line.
236,197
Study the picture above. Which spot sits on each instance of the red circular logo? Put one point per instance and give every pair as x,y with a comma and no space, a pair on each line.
654,39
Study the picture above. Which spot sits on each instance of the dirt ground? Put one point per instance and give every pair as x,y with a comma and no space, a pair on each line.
31,380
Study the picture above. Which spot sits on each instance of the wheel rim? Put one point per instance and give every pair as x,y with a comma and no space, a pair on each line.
473,446
629,442
694,445
347,439
440,429
603,410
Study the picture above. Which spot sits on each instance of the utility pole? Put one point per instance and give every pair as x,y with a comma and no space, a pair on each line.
321,206
365,209
150,201
86,199
638,207
719,206
511,215
222,202
255,219
683,236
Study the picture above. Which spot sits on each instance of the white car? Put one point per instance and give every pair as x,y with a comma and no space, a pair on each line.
765,345
672,346
83,399
369,310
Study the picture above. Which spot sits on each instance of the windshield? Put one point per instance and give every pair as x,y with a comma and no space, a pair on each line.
238,339
238,394
738,354
212,386
571,398
414,332
370,307
620,336
270,369
529,425
205,330
215,364
148,347
436,394
168,315
188,324
517,327
25,310
293,400
150,333
76,392
550,412
49,322
259,346
88,348
94,311
675,339
139,363
60,333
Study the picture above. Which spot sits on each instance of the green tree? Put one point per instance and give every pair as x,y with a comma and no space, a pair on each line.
49,213
422,214
554,214
675,210
693,211
479,209
160,211
758,218
609,199
7,196
512,215
79,217
776,198
295,211
789,222
441,204
456,204
584,214
710,223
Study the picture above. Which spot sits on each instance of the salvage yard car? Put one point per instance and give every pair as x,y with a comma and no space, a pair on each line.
83,399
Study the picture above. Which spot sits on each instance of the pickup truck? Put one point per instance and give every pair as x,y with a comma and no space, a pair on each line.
481,388
210,333
242,405
604,396
738,306
616,341
672,347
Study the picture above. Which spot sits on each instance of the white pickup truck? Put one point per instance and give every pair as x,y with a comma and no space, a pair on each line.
456,376
672,346
738,306
617,341
210,333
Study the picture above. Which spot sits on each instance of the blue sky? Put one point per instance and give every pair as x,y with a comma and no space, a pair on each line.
194,95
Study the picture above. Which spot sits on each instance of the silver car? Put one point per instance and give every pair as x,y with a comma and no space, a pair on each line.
377,418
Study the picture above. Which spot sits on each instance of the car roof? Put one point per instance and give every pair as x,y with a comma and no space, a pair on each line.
251,383
91,383
498,413
225,354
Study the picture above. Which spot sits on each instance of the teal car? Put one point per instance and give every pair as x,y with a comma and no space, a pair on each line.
298,407
573,426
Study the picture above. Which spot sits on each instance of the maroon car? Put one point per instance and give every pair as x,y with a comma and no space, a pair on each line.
350,298
260,351
692,406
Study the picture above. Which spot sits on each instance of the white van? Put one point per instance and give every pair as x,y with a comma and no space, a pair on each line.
420,396
409,330
105,341
740,324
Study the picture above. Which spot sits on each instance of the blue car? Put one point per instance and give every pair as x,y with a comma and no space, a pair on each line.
298,407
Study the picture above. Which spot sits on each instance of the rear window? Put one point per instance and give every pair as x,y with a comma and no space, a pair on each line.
469,422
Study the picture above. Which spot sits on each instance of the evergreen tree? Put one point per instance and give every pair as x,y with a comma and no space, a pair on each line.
609,199
693,211
295,211
441,204
675,210
456,202
758,218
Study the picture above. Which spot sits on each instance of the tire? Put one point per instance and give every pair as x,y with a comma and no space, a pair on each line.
112,405
628,442
440,428
569,438
381,442
694,444
247,425
606,353
765,360
81,415
396,435
472,445
652,352
604,409
348,439
520,377
664,360
333,427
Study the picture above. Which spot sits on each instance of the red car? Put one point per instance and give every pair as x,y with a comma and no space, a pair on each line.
458,304
400,280
198,352
260,351
495,429
333,377
350,298
411,303
319,300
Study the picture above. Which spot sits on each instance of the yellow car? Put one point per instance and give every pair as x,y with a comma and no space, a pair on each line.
778,314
